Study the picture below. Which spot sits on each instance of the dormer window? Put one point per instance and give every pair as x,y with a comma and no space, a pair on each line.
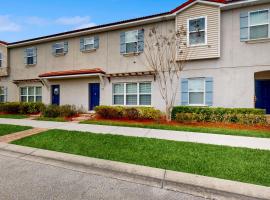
197,31
60,48
30,57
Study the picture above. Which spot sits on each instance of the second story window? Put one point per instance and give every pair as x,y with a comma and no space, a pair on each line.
30,57
1,60
60,48
197,31
259,24
89,43
132,41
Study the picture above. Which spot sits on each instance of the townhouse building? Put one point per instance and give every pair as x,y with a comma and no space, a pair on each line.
229,63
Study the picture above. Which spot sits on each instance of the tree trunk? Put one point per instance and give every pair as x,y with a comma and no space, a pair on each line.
168,113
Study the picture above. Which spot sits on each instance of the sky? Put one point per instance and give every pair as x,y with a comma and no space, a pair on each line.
20,20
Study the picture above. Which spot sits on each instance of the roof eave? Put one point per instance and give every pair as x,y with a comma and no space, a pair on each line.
244,3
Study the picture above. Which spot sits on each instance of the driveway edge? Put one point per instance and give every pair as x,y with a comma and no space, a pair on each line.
207,187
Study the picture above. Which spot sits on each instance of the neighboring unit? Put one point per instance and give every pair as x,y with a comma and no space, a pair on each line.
228,64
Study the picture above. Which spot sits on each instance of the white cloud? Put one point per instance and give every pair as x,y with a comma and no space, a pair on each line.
91,24
77,20
8,25
37,21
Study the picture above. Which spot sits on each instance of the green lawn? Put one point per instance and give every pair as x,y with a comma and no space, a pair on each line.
240,164
13,116
58,119
223,131
7,129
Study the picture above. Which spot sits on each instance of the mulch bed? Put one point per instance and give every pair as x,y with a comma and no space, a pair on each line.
195,124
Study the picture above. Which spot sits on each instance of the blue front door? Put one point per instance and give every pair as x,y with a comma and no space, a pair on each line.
55,94
94,95
262,88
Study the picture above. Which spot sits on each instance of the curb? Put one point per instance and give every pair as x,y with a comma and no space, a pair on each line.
206,187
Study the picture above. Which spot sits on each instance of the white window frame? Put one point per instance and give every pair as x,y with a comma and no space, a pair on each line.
63,47
254,11
137,41
1,59
92,42
125,94
34,54
27,93
4,94
204,92
205,30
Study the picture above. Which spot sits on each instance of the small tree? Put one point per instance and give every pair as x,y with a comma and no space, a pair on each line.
166,56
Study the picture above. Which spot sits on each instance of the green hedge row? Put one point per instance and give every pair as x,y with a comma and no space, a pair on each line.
53,111
21,108
131,113
208,111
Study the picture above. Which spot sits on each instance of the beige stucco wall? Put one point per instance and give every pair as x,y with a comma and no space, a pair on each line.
212,47
232,72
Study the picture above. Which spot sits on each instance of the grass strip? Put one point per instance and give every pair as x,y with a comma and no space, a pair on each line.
6,129
239,164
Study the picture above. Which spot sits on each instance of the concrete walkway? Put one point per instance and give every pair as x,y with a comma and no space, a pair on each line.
227,140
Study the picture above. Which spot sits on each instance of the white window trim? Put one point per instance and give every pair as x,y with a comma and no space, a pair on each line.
4,94
27,93
204,92
27,56
125,94
205,30
137,41
253,11
63,47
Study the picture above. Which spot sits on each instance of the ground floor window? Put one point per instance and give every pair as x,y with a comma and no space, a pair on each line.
3,94
196,91
132,94
31,94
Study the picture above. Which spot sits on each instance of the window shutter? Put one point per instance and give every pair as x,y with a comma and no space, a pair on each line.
82,44
184,91
141,40
25,56
244,26
65,47
96,42
6,94
54,49
209,91
35,56
122,43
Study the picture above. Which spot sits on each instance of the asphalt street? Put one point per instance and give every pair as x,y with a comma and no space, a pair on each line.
27,180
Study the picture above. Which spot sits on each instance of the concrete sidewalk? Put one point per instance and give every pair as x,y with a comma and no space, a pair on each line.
227,140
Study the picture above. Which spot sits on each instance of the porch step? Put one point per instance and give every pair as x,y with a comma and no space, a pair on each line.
83,117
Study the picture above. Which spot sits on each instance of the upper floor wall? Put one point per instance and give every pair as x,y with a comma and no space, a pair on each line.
107,56
202,25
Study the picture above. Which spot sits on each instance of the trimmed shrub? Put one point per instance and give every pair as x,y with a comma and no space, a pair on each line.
51,111
10,107
248,119
21,107
132,113
54,111
110,112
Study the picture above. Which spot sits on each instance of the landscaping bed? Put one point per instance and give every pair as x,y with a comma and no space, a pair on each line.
239,164
8,129
206,127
